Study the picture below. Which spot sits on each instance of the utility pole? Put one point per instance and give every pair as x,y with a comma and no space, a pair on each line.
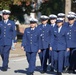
67,7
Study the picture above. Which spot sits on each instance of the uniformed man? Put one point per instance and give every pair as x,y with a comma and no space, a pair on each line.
44,41
52,18
30,44
7,34
59,46
71,43
66,63
66,58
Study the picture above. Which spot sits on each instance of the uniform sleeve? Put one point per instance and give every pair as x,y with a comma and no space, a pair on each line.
51,36
66,37
40,42
14,33
40,39
24,39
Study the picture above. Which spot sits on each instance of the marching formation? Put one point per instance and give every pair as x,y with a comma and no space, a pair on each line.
55,42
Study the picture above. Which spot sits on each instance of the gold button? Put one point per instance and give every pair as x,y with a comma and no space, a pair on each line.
30,42
42,39
4,32
4,27
4,35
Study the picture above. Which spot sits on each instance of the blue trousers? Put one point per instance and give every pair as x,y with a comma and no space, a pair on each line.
50,52
31,58
66,58
51,58
58,60
72,58
5,50
43,55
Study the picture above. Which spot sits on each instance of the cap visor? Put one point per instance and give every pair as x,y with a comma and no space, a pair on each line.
59,21
6,13
33,22
70,18
52,18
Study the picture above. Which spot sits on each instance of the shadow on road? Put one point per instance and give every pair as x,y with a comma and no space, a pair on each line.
38,68
0,67
21,71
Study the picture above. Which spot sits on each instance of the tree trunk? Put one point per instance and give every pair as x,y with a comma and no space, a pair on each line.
67,7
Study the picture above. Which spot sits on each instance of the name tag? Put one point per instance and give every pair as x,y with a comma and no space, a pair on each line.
55,31
28,32
9,24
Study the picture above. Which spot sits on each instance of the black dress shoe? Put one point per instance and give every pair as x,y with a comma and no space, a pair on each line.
70,71
3,69
31,73
59,73
43,72
51,69
66,70
74,72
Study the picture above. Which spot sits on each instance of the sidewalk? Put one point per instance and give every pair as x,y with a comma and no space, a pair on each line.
18,52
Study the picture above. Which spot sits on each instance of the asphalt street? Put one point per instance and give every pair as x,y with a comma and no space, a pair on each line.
19,65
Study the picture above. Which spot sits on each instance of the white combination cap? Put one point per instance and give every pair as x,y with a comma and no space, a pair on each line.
61,15
60,19
6,11
33,20
44,17
52,16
